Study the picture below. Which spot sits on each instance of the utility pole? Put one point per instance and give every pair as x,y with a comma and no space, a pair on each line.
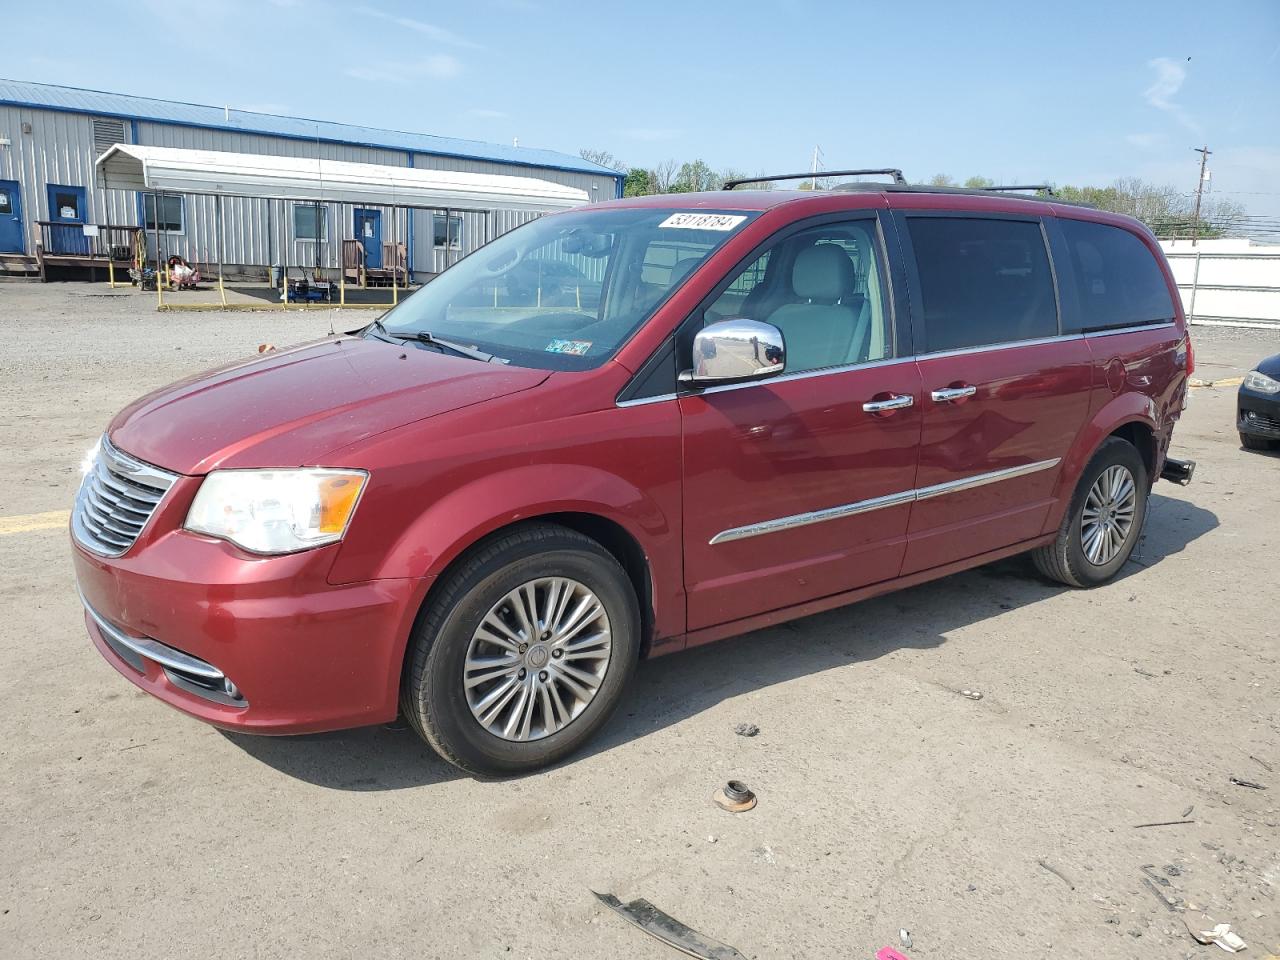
1195,215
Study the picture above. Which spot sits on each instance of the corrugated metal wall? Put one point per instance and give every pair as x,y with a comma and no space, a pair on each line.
60,150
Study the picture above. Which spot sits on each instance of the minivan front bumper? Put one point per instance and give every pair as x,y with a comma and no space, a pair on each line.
262,645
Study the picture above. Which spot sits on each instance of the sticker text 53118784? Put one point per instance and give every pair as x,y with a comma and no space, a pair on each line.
702,221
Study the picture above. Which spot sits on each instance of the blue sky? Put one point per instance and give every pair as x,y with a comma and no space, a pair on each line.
1081,92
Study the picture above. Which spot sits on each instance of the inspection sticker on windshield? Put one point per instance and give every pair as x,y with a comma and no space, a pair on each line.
702,221
574,348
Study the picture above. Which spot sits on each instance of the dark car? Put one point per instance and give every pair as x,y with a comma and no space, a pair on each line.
484,509
1258,406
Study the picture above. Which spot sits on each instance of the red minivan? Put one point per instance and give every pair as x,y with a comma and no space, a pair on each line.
625,430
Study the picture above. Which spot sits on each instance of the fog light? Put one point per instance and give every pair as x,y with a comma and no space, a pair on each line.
232,690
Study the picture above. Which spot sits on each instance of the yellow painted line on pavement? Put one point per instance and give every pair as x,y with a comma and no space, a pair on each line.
30,522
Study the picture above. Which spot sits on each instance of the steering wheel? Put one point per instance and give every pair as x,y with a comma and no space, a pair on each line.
505,266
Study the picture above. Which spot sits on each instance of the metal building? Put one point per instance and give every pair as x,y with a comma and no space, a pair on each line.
51,137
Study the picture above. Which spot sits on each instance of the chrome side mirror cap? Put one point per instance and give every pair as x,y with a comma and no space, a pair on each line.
735,351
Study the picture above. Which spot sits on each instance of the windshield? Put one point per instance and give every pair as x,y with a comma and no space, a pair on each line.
564,292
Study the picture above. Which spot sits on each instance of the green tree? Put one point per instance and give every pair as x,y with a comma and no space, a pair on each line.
696,176
639,183
941,180
602,157
979,183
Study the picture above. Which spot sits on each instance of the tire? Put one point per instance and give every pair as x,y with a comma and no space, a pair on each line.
448,647
1067,559
1250,442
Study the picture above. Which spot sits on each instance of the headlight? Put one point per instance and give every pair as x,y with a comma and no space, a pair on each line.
1261,382
276,511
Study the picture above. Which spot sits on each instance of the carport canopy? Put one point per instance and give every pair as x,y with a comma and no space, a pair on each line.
214,173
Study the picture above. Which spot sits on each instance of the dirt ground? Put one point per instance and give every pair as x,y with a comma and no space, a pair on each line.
1004,827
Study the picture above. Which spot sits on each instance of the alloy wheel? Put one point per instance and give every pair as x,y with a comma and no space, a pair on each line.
537,659
1107,519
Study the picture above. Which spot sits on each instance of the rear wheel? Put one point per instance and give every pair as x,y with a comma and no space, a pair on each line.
525,652
1250,442
1103,522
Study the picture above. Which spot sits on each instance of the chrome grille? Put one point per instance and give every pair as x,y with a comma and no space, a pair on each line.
116,500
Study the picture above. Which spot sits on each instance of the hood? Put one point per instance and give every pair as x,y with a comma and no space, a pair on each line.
290,408
1270,366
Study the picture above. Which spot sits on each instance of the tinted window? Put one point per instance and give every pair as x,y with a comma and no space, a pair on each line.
1119,282
821,287
982,281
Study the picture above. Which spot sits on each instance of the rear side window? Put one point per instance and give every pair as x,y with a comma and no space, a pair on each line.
1119,282
982,281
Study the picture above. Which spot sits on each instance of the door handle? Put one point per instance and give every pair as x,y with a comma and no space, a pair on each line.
895,402
952,394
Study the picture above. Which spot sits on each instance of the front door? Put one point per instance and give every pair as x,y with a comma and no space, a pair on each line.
368,227
800,487
10,218
1004,394
67,216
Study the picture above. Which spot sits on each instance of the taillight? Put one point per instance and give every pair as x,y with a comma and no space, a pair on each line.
1191,356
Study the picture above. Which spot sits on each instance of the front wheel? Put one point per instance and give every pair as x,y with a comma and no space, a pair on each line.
524,653
1103,522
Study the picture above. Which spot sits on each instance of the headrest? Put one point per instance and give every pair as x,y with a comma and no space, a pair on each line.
823,272
682,269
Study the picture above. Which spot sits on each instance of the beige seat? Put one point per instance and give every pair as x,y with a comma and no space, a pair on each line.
829,327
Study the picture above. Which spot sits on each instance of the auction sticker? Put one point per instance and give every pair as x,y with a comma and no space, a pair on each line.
702,221
574,348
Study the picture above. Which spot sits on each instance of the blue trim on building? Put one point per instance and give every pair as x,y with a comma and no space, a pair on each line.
37,96
409,215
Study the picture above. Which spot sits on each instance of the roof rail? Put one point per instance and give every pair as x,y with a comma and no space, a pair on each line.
1038,187
887,172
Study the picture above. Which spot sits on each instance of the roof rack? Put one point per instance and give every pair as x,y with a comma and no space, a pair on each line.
887,172
1037,187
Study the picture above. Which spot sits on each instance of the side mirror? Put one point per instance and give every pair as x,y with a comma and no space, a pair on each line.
735,351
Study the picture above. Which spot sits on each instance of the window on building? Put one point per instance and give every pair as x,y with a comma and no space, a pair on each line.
982,281
821,287
6,202
447,232
66,206
310,222
1117,277
171,213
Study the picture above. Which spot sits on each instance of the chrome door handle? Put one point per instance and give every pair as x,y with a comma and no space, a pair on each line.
951,394
895,402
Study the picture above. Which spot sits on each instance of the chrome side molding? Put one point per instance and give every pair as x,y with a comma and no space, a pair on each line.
879,503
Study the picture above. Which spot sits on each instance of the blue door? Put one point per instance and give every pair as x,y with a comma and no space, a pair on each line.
368,227
67,212
10,218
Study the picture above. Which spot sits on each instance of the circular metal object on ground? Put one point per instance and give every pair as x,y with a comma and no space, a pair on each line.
734,796
1107,519
537,659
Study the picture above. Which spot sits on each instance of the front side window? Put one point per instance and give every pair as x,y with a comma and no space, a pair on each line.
565,292
310,221
170,213
982,282
824,289
1117,278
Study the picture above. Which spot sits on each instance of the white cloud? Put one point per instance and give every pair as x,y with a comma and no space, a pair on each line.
429,30
1170,76
482,113
440,66
650,134
1146,141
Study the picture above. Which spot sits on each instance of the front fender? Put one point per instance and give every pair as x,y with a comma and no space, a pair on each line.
1118,411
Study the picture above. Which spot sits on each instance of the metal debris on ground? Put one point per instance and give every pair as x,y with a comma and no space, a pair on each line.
1262,763
1171,902
735,797
1057,873
971,694
746,730
1187,812
1162,823
664,927
1247,783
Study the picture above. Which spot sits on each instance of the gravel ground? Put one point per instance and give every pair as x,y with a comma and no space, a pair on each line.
997,828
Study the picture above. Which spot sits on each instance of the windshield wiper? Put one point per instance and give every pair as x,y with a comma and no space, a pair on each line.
425,336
